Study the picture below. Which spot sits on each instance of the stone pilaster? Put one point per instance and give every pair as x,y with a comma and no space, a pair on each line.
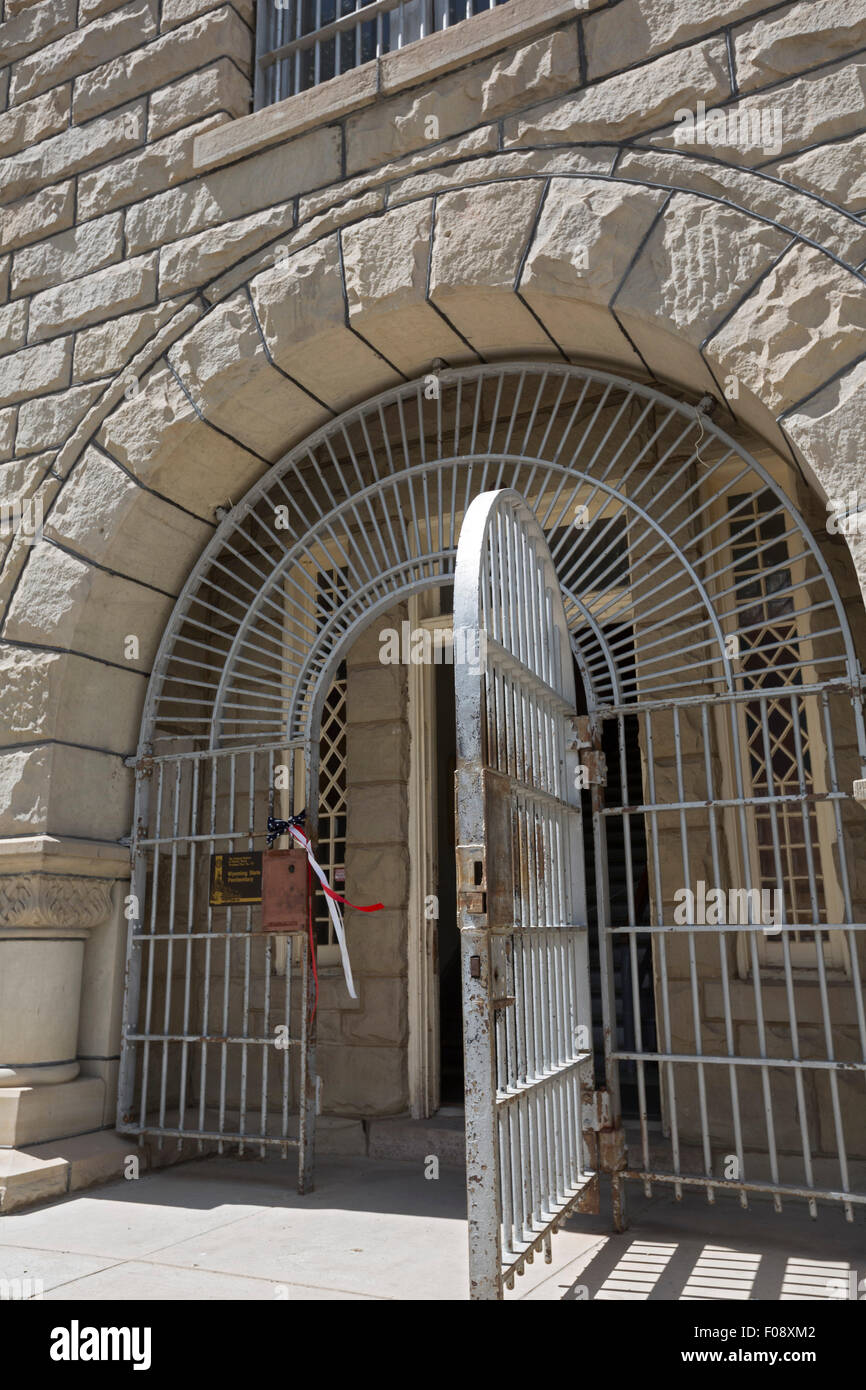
55,895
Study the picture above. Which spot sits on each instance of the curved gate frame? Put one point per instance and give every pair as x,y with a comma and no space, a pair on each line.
382,488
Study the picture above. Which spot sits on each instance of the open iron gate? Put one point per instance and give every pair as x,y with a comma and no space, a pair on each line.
520,894
707,629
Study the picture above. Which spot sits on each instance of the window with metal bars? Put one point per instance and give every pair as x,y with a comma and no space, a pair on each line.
301,43
782,743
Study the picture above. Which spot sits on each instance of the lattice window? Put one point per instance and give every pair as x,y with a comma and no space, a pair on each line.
783,744
770,651
332,588
331,852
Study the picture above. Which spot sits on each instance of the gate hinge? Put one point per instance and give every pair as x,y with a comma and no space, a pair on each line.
596,767
584,740
597,1115
143,765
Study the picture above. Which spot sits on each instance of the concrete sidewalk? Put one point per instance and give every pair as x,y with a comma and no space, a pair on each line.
229,1228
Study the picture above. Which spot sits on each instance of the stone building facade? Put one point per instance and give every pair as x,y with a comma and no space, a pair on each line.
190,290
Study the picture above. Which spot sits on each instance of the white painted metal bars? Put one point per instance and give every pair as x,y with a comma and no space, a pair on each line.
521,899
300,43
669,540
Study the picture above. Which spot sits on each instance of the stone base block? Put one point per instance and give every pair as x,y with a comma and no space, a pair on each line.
43,1172
32,1114
442,1135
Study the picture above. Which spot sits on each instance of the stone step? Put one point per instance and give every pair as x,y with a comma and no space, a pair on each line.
442,1136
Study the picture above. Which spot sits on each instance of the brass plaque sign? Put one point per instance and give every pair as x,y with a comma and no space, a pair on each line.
236,879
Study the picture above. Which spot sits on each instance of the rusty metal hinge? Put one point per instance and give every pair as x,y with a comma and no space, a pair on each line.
597,1115
584,739
143,765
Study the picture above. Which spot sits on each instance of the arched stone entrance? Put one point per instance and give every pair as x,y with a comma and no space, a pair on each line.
708,633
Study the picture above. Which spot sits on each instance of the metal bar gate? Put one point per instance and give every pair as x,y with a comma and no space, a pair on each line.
521,900
721,731
219,1043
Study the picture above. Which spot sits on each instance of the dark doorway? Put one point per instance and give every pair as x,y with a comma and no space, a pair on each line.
628,1019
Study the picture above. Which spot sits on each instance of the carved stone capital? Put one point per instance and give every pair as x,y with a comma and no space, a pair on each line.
53,900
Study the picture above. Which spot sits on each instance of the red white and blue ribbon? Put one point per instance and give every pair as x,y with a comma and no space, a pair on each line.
293,827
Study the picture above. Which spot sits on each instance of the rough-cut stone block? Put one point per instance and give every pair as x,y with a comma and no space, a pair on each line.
530,74
385,261
50,695
35,369
480,237
7,433
802,215
107,347
13,326
761,127
481,92
695,266
101,513
587,234
804,322
796,38
88,789
85,248
274,176
223,366
50,210
62,601
635,30
34,26
316,227
474,142
301,307
47,421
94,9
159,437
829,431
5,263
176,12
66,154
515,164
161,165
631,102
35,120
81,302
836,171
83,49
199,258
221,34
221,87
